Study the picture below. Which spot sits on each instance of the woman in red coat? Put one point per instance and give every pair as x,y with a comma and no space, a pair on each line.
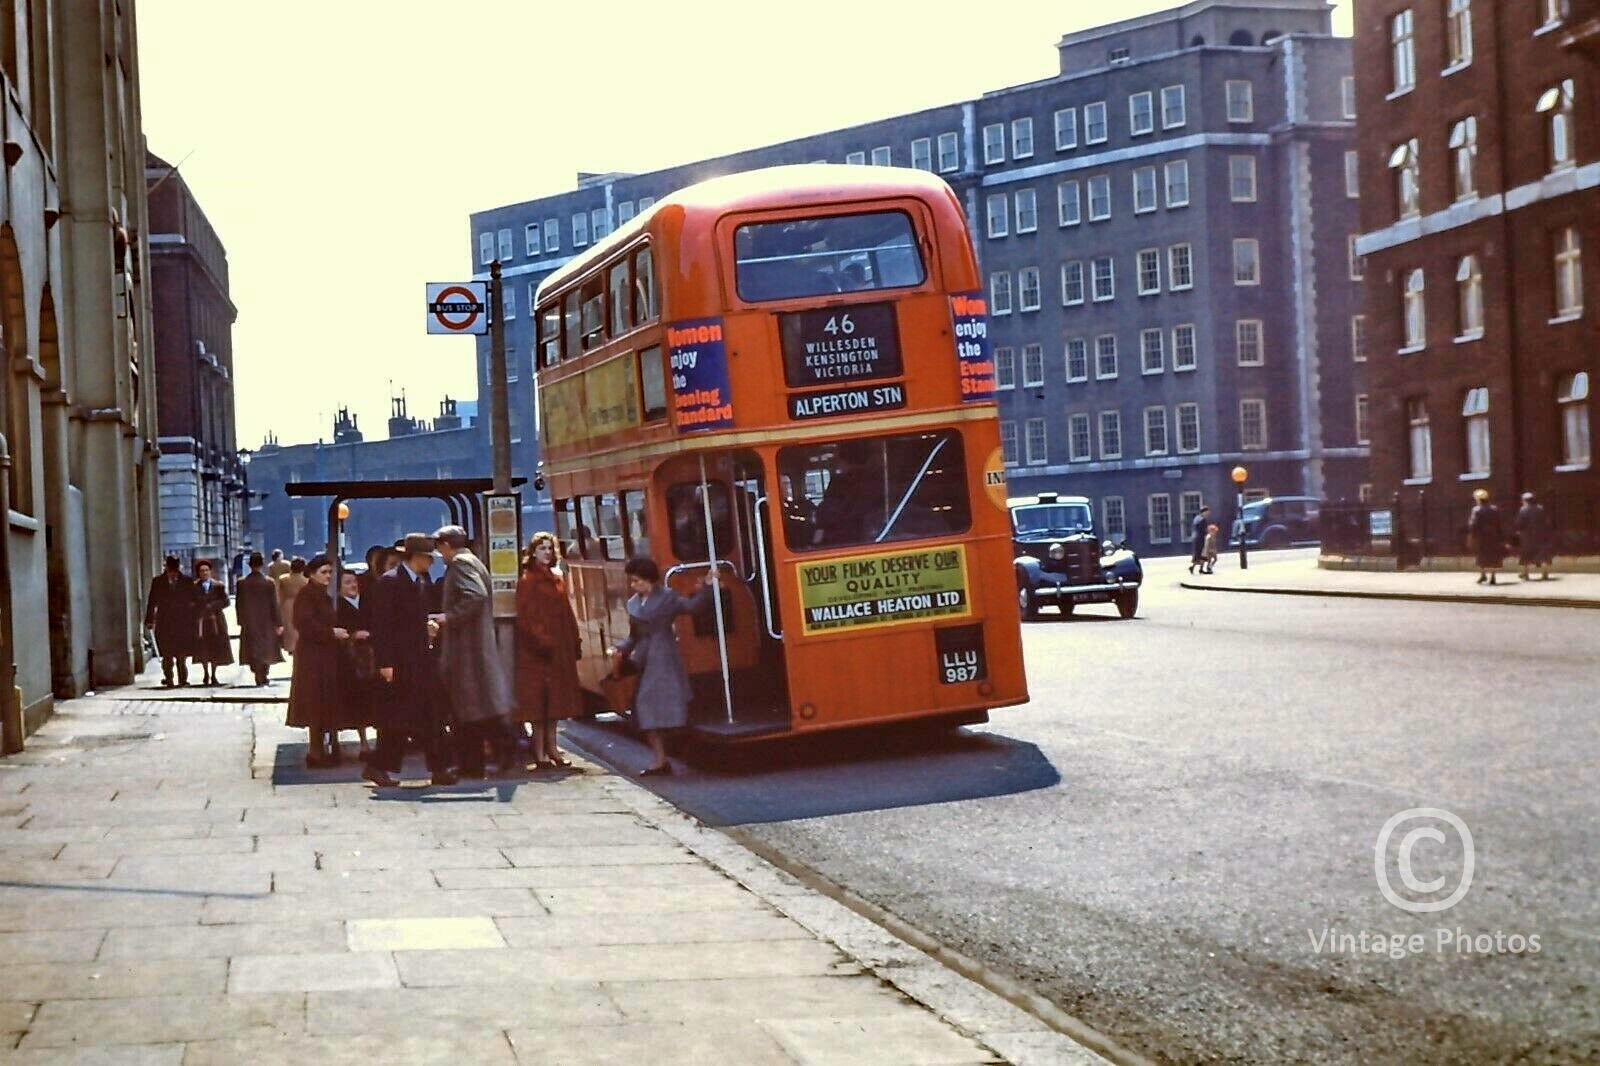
548,649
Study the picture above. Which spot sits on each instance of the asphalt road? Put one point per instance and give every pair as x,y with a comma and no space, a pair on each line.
1163,841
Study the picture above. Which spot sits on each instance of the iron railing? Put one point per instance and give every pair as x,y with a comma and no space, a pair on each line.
1418,524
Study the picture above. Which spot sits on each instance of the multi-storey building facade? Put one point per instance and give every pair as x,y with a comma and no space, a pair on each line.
202,475
77,395
1480,163
1166,229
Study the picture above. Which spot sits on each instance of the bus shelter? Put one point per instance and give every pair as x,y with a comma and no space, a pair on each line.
462,497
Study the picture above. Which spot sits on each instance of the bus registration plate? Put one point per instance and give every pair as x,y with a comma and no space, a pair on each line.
961,656
837,345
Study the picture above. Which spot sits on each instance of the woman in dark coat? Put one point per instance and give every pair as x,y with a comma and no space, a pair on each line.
314,693
662,701
255,601
358,671
213,647
1488,536
1533,536
548,649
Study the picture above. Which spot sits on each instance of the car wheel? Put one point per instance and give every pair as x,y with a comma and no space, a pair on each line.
1128,603
1275,539
1027,602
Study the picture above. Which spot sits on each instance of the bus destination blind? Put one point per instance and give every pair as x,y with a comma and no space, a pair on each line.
839,345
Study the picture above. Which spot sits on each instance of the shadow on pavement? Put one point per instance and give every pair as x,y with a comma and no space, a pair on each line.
289,768
839,773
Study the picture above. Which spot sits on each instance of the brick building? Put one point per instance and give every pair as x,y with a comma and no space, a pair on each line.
1480,158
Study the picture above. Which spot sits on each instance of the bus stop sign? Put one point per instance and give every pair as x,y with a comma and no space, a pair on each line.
458,307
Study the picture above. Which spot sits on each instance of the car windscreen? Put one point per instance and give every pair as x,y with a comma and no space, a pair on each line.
802,257
1055,519
1253,512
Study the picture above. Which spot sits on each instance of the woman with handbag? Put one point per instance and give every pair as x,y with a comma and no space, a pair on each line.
212,643
548,650
662,700
358,670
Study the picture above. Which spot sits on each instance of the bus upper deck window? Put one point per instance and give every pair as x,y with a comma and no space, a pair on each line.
653,383
646,301
593,303
804,257
569,315
550,334
621,305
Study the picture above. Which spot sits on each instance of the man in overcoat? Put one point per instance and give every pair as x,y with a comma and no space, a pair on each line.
260,620
171,611
473,670
405,668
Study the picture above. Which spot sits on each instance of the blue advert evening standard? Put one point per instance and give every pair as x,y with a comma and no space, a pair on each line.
698,359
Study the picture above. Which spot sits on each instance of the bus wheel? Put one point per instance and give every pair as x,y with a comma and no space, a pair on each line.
1128,603
1027,602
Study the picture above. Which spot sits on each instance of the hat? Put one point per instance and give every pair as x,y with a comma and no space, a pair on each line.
417,544
1480,494
1527,497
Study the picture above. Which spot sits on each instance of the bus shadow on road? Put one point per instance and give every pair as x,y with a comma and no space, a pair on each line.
840,773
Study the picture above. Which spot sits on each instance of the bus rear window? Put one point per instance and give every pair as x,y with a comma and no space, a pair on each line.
819,256
846,493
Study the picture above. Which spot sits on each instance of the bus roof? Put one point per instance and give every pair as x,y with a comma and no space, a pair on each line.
771,188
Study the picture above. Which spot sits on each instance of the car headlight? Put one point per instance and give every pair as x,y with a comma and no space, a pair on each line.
1057,552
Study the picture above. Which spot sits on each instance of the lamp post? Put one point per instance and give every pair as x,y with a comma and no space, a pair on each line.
1240,476
344,513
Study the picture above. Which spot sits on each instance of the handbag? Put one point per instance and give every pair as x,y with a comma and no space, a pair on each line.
620,689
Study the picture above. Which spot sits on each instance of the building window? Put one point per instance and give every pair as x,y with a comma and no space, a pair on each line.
1149,271
1078,439
508,297
624,212
1027,211
645,203
1005,368
580,230
994,143
1028,288
1160,511
1069,205
1066,128
1241,101
530,238
1252,424
1077,360
297,522
949,153
1464,156
485,251
856,159
1008,443
1144,190
1363,426
1569,274
1021,138
1032,365
506,250
1189,504
1072,283
882,157
1408,181
1358,262
1103,275
1189,429
1141,114
1178,183
1347,96
1155,431
1000,293
1105,356
1114,518
922,154
1099,198
1111,434
599,223
1415,311
1475,415
1152,351
1458,33
1419,440
1364,492
1352,174
1402,47
1247,342
1174,110
1572,400
1036,443
552,235
1469,298
1183,347
1246,261
1094,123
1180,267
998,214
1242,179
1358,338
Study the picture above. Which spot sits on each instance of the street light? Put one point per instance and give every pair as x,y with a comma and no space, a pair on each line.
343,513
1240,476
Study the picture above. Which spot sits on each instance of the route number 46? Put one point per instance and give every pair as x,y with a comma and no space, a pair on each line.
838,324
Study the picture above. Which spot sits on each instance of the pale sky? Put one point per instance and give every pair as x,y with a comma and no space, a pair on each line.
338,147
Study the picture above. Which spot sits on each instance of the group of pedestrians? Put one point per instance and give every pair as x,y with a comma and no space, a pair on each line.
184,614
1487,536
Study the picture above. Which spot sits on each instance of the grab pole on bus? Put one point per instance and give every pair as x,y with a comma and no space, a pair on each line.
716,591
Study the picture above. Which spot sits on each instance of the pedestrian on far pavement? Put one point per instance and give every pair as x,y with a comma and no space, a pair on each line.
1197,539
289,586
170,612
278,566
548,650
470,662
213,644
314,694
260,621
1208,554
1534,536
662,701
1487,535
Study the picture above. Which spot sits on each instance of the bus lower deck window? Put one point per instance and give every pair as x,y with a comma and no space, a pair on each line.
874,491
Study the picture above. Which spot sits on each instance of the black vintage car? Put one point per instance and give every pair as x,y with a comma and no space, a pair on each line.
1059,559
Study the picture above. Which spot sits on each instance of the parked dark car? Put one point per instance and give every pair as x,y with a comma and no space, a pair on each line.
1060,560
1279,522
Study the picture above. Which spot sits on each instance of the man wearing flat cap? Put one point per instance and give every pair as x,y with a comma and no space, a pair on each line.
400,647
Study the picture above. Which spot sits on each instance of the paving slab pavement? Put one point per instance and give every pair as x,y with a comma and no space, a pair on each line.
175,887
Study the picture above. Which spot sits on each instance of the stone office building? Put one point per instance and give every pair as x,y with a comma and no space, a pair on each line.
1166,227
